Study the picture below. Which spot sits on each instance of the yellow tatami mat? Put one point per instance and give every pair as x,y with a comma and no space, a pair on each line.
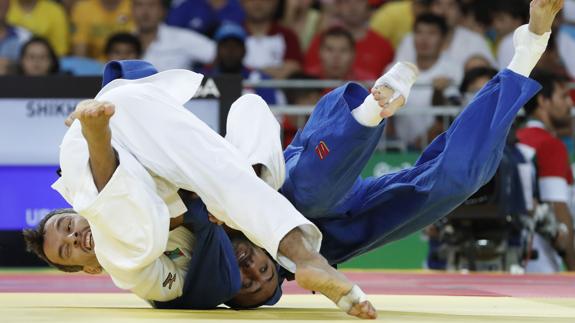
119,307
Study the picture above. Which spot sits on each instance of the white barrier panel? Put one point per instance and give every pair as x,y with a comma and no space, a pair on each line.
32,129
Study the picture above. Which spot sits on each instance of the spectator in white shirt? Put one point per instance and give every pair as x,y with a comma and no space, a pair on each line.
169,47
438,76
460,43
270,47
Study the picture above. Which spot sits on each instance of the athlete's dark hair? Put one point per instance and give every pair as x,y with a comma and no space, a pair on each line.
35,241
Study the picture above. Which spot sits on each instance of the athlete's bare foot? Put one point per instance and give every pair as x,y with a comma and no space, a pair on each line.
95,119
391,89
542,14
92,114
321,277
382,94
315,274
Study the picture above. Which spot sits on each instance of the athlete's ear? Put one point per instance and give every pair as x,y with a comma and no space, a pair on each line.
92,270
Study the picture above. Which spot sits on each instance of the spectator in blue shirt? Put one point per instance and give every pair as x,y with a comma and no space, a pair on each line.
230,54
10,41
204,16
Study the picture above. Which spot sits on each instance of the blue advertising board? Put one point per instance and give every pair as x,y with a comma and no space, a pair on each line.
26,196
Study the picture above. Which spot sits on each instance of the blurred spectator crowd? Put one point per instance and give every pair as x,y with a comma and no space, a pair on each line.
458,46
283,39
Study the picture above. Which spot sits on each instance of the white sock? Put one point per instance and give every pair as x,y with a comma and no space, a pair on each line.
529,48
399,78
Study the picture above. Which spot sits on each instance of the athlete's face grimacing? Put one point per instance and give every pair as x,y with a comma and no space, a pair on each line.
257,271
68,241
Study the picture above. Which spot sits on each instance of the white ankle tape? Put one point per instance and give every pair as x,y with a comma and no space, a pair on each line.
368,113
355,296
529,48
399,78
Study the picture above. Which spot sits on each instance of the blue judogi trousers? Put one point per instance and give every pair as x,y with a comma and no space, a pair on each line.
357,215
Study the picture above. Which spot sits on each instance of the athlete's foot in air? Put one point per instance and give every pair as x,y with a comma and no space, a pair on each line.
530,41
94,116
382,95
389,93
391,90
318,275
542,14
95,119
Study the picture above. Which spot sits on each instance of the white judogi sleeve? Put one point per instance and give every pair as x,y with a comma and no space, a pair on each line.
128,219
164,279
151,123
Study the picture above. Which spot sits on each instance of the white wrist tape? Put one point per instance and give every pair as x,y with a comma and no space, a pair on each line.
355,296
400,79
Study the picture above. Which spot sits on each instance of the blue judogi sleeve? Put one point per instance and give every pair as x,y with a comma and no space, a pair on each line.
452,168
213,275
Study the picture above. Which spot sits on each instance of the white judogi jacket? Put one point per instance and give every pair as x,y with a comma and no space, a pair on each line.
163,147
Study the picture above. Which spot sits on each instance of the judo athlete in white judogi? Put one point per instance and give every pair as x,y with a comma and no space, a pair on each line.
158,147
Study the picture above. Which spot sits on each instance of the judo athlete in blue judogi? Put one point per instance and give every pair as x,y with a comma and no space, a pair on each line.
357,215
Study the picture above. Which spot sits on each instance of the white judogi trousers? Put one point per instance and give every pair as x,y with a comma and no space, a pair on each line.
163,147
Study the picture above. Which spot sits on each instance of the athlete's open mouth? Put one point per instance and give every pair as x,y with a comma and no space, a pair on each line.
87,241
243,254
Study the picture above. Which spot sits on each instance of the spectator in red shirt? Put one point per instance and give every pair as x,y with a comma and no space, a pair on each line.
548,110
337,54
372,52
270,47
